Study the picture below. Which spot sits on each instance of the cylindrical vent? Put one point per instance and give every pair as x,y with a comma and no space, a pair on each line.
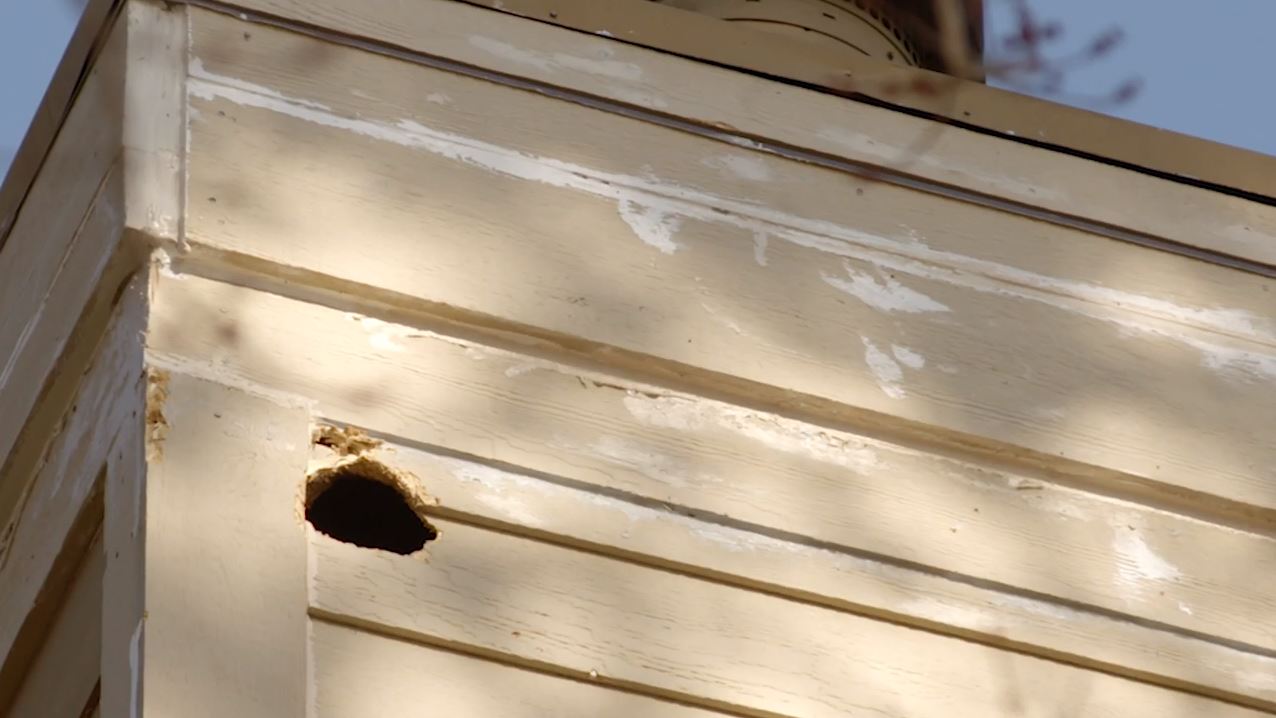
900,31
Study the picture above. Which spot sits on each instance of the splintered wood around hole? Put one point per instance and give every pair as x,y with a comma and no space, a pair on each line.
363,502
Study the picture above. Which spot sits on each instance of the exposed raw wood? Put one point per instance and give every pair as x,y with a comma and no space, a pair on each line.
756,469
65,674
661,536
359,674
90,34
666,28
62,509
224,631
154,117
769,111
61,275
668,634
1010,335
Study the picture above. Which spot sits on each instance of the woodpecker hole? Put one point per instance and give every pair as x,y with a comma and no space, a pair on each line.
365,503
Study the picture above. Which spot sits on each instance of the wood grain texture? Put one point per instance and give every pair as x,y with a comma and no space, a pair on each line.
668,634
1024,339
224,628
41,324
661,535
805,482
826,124
55,508
124,537
61,239
360,674
62,93
63,677
154,128
661,26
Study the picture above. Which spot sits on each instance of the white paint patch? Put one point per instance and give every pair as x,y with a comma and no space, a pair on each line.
1036,607
521,369
908,357
964,616
723,319
552,62
1133,312
884,369
387,337
637,457
654,227
438,98
196,70
741,166
887,295
509,507
694,414
1137,562
759,248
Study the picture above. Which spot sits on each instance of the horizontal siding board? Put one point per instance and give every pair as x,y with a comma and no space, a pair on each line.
989,328
550,509
614,622
795,117
753,468
358,674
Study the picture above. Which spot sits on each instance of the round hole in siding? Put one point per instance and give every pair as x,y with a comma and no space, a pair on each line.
365,503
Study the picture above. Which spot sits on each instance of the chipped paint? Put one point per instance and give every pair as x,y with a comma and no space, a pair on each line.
759,248
908,357
661,199
884,369
653,226
438,98
685,413
1137,562
888,294
511,507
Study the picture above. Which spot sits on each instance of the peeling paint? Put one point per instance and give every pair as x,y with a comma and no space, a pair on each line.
908,357
884,369
1137,562
653,226
759,248
887,295
776,432
660,199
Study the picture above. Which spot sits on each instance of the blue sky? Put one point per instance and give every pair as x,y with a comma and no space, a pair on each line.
1205,64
